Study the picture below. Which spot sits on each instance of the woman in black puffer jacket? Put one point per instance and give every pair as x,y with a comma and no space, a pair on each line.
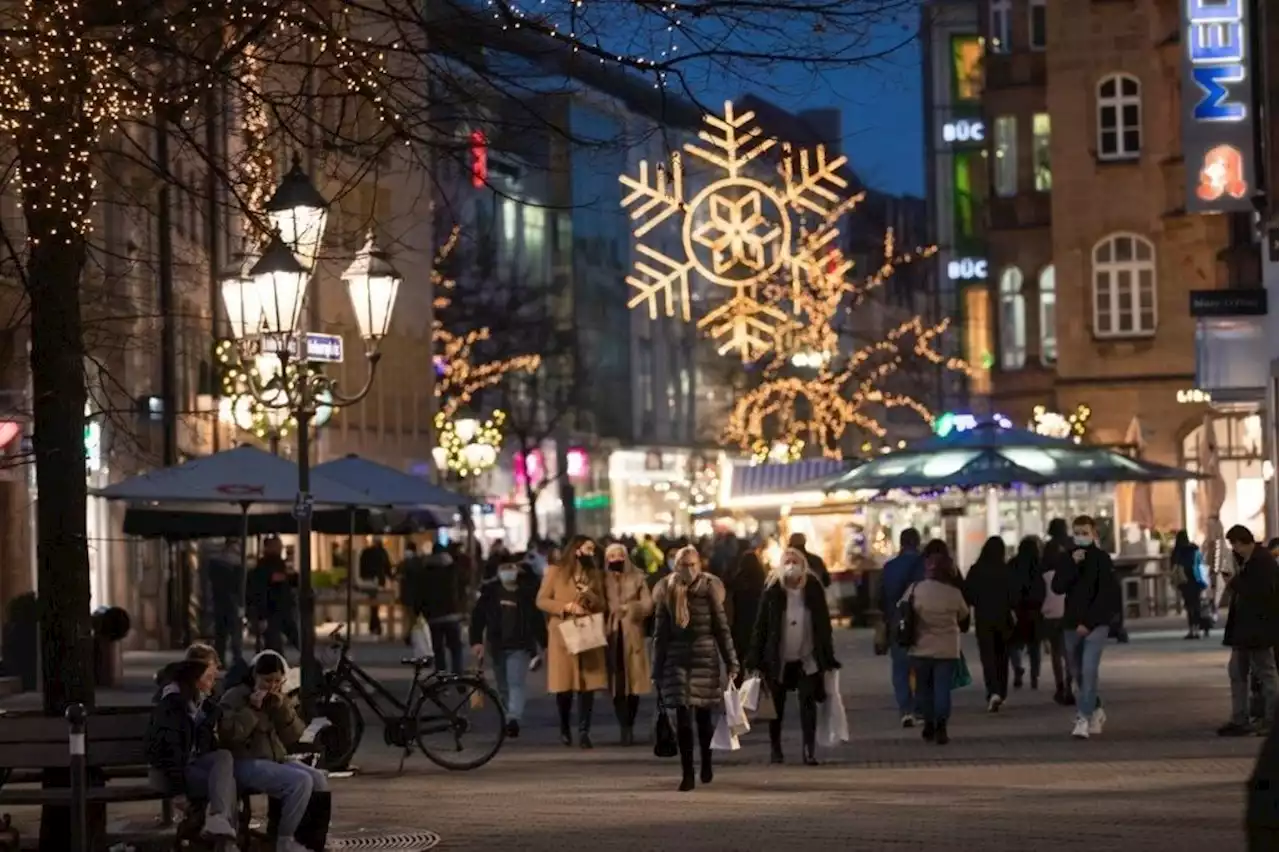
691,637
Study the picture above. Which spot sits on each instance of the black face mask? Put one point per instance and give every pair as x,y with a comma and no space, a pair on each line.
617,565
586,560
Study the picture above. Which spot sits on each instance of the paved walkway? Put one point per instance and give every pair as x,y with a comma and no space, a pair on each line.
1157,780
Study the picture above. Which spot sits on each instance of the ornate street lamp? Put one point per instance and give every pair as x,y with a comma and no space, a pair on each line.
265,307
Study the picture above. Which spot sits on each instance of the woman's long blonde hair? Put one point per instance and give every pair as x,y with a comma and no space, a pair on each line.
679,585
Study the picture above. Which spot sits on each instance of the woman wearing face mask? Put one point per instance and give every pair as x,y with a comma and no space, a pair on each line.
629,605
691,637
182,746
506,619
571,589
792,648
259,725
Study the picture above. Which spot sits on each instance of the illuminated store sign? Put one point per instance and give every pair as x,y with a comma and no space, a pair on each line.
1217,108
964,130
967,269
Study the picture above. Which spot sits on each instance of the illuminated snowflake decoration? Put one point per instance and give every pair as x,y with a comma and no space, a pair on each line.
739,232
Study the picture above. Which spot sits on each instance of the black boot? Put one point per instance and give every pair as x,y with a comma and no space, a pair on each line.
684,739
628,736
775,752
808,756
706,732
564,704
940,736
586,701
928,732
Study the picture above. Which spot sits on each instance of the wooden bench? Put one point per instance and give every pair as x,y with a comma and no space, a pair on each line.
115,751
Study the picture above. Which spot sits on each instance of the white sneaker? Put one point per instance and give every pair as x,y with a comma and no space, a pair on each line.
1097,719
993,704
216,825
1081,729
908,721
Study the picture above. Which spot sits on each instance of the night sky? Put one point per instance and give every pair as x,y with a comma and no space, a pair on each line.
880,103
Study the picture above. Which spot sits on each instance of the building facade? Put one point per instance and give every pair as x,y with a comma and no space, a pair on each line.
956,185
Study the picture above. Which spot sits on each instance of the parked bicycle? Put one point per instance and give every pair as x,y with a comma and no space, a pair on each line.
439,704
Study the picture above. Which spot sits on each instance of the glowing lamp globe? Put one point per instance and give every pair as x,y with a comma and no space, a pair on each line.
373,284
281,283
298,212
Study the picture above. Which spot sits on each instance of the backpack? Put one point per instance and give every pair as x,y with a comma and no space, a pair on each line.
905,620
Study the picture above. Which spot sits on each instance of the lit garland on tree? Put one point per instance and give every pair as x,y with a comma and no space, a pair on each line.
457,378
469,455
248,412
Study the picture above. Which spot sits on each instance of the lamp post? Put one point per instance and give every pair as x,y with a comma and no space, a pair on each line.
264,305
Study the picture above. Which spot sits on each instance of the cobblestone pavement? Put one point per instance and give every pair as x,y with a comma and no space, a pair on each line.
1159,779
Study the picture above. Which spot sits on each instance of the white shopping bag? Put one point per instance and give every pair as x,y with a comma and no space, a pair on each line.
420,639
734,714
833,724
583,634
724,739
749,694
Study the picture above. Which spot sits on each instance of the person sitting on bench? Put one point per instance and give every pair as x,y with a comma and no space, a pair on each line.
183,752
259,724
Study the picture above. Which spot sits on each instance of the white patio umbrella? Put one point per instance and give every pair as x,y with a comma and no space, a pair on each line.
1141,507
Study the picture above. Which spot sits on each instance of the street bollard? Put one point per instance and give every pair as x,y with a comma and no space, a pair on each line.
79,805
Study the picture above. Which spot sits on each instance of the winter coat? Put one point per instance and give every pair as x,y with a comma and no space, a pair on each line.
686,660
765,654
990,591
744,588
259,734
177,734
375,565
269,589
1252,622
487,621
1028,599
629,605
1092,590
441,590
585,672
942,614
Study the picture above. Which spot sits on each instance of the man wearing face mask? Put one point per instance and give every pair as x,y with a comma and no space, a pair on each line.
506,620
1092,601
1251,631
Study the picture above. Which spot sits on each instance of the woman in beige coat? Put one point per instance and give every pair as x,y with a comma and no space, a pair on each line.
629,605
572,589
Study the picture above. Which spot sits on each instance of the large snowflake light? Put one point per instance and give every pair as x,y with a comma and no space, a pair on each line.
741,232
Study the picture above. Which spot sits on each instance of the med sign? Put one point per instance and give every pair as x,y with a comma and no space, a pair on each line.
1218,108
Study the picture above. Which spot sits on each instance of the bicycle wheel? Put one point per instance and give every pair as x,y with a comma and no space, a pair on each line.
339,741
454,708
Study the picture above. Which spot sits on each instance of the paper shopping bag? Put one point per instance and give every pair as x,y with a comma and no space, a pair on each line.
735,716
420,639
583,634
724,739
833,723
766,709
749,694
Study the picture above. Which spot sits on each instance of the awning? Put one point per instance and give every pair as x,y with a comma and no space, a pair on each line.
761,479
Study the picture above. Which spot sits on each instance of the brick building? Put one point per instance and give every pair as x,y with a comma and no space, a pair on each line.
1091,250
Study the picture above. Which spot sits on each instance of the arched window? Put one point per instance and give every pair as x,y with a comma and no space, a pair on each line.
1119,117
1048,300
1124,286
1013,320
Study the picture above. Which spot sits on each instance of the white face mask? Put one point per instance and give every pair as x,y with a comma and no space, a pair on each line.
1082,540
507,576
793,571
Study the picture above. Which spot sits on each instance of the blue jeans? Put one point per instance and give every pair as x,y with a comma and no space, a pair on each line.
933,688
900,663
1084,657
511,670
291,783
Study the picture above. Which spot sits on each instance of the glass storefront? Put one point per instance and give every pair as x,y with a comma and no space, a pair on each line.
1241,452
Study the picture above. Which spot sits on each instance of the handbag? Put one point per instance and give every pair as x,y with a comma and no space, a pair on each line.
961,676
905,619
664,735
585,633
